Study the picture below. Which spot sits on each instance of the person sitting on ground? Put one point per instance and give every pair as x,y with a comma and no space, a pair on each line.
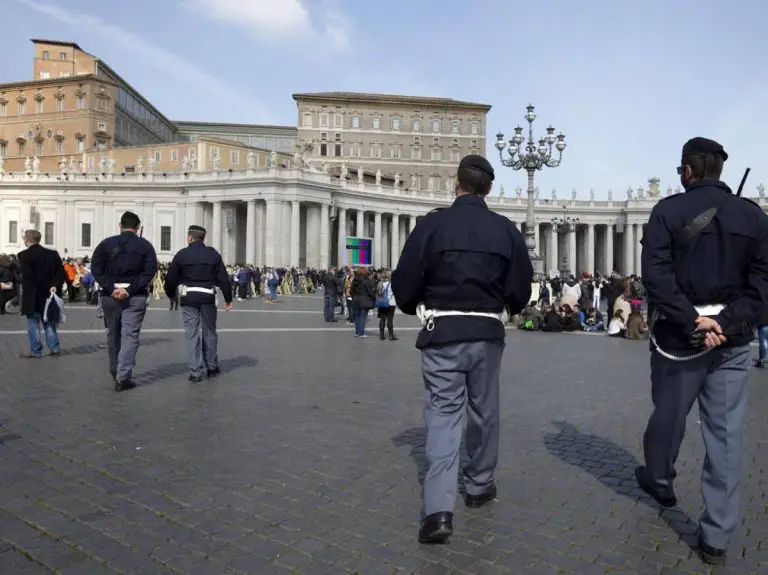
636,326
569,319
594,320
530,319
617,327
552,320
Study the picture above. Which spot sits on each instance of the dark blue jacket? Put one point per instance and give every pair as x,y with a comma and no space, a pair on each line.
465,258
126,258
726,263
198,265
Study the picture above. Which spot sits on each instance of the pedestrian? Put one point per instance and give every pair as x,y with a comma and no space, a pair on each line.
42,274
195,273
705,271
463,337
331,289
124,266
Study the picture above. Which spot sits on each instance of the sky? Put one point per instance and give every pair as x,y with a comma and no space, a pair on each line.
627,82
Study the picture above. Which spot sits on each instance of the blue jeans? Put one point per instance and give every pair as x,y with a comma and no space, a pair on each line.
762,340
329,306
361,316
51,335
272,291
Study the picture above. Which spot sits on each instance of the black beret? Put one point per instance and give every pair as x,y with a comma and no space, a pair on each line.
696,146
194,228
478,163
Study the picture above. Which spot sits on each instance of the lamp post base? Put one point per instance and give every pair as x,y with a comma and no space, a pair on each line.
537,262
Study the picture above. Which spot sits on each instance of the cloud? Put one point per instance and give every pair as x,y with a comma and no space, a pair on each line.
278,20
152,54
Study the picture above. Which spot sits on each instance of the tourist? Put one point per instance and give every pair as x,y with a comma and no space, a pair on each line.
363,292
8,282
617,326
385,302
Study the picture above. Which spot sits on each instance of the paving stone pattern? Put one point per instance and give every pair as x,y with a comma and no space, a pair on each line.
305,457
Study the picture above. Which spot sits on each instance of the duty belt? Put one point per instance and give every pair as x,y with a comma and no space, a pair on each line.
184,290
427,316
122,286
703,310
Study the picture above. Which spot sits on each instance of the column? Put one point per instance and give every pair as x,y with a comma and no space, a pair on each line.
250,232
295,232
180,233
552,248
261,217
285,236
638,249
608,250
411,224
377,239
272,230
590,249
215,241
537,238
313,235
629,254
325,236
572,251
342,241
360,225
395,241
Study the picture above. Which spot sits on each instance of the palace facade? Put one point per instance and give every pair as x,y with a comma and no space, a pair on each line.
295,216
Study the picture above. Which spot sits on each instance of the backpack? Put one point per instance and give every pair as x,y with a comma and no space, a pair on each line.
382,299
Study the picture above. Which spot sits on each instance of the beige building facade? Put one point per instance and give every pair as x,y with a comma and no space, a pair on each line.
421,139
282,139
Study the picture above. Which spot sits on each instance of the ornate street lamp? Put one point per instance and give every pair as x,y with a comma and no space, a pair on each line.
565,225
530,156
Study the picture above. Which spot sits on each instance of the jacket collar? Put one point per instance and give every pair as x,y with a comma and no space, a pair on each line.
709,184
470,200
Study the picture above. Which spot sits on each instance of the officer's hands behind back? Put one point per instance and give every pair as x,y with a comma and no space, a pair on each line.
708,333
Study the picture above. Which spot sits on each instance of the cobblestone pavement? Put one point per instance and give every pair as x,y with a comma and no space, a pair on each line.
305,457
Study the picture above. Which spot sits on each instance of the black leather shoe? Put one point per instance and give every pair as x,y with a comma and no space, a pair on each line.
382,337
663,500
124,385
482,499
392,337
710,555
436,528
195,378
214,372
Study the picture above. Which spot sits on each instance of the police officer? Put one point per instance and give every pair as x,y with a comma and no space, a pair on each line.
124,265
459,268
194,274
705,268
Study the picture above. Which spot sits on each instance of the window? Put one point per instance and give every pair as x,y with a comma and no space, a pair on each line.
60,104
323,120
395,124
38,106
417,125
323,149
174,155
62,55
307,121
158,157
437,155
81,144
165,238
64,74
80,102
102,104
431,184
85,235
38,148
356,151
101,144
376,124
355,121
90,164
337,150
22,108
46,55
436,126
337,137
376,151
59,147
3,151
3,108
45,75
22,149
338,121
394,152
48,234
456,127
475,128
13,232
455,156
473,143
416,153
234,157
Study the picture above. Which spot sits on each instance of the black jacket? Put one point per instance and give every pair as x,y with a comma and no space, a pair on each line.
463,258
41,269
201,266
363,292
126,258
331,285
726,263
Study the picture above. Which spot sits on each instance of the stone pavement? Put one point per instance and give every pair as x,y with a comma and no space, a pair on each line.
305,457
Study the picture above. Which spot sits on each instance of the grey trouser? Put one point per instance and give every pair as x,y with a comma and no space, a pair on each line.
124,319
202,350
459,376
719,381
